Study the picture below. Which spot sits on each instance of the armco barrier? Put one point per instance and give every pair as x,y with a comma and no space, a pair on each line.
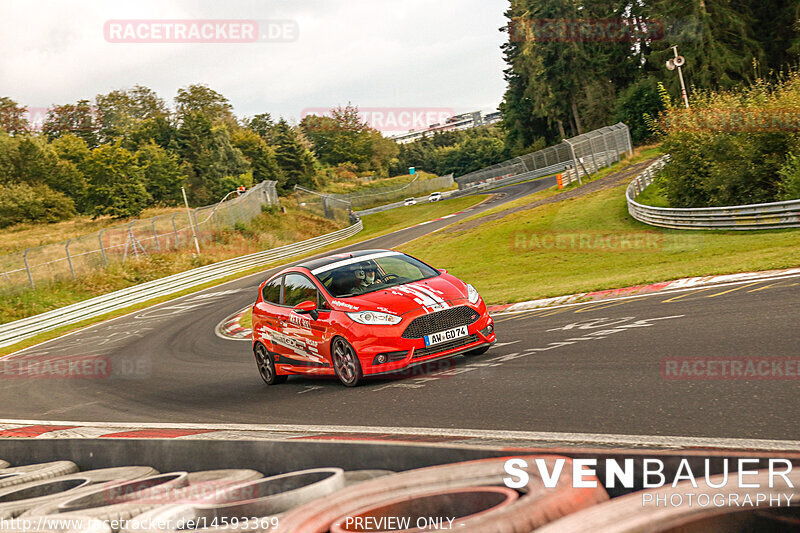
13,332
774,215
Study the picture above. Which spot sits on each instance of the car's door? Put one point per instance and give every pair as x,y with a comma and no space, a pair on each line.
267,314
310,331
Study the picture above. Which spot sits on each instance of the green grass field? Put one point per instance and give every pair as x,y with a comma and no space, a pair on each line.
591,243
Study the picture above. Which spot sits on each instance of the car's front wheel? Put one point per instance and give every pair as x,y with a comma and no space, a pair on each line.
346,363
266,366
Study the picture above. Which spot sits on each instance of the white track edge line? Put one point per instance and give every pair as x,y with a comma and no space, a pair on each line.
532,436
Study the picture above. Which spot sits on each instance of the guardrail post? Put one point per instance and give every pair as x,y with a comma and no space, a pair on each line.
102,248
155,235
28,267
69,259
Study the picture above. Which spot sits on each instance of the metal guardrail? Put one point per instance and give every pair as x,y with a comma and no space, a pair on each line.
773,215
13,332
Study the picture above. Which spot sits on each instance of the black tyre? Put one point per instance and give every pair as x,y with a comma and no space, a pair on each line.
266,366
479,351
346,363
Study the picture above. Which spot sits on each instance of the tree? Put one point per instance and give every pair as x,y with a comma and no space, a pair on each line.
37,163
260,155
216,166
263,125
294,160
639,99
717,37
119,110
163,175
79,119
200,98
117,183
158,129
12,116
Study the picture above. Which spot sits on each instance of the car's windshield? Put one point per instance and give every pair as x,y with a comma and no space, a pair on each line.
357,276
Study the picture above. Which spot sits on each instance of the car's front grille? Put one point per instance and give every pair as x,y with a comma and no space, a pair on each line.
445,346
441,321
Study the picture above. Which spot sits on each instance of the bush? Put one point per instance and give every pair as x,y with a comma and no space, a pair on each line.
33,203
790,185
733,147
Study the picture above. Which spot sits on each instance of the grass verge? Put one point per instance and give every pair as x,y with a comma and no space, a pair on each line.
591,243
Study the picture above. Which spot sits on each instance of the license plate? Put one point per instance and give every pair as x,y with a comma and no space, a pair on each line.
444,336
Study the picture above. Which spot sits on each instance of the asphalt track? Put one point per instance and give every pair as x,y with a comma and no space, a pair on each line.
586,368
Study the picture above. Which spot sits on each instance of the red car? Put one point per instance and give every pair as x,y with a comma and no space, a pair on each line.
364,313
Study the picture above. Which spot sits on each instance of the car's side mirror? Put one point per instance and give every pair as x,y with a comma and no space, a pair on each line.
307,308
443,270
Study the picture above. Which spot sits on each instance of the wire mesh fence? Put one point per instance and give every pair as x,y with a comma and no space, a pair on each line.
579,156
117,244
323,205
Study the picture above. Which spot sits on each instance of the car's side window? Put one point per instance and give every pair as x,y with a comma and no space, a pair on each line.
272,291
298,289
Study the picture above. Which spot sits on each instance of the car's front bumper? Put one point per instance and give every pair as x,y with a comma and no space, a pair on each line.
407,353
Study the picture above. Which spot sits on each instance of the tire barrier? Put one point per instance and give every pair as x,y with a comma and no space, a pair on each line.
116,502
261,499
25,474
629,514
537,505
17,499
468,496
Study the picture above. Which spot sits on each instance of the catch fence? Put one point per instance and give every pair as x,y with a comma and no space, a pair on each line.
579,156
117,244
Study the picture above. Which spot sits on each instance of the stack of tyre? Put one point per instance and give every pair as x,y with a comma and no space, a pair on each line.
469,496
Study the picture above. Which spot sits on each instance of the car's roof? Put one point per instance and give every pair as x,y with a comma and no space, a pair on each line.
324,261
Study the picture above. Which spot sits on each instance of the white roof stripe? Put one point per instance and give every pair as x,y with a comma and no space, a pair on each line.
352,260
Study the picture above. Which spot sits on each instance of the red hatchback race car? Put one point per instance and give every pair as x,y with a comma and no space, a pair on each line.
364,313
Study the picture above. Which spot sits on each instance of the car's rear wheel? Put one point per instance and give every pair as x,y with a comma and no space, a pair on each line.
266,366
346,363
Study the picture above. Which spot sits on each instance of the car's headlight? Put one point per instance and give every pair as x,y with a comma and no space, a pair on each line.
472,294
373,318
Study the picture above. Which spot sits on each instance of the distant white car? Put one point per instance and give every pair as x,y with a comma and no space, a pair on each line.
410,201
435,197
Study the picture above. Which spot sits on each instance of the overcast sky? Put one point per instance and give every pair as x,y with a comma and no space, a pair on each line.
373,53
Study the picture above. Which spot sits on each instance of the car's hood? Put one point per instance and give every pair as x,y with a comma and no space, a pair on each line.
432,294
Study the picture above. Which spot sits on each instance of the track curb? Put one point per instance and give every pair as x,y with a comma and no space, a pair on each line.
682,283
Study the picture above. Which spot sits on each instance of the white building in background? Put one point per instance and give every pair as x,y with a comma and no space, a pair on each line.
464,121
